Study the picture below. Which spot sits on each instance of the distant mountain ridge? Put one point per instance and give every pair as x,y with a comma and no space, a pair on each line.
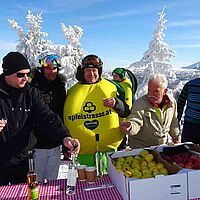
193,66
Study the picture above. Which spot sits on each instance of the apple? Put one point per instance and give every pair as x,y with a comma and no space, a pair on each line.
155,173
189,165
137,157
135,166
177,158
159,165
128,160
153,168
185,156
136,174
120,160
146,174
163,171
143,163
143,153
151,164
149,157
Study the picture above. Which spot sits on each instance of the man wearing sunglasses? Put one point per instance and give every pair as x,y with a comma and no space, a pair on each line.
51,84
21,108
93,106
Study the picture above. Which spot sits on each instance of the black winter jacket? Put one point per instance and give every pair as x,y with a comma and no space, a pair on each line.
23,108
54,94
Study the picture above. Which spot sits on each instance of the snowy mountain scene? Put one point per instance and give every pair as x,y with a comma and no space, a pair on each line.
156,59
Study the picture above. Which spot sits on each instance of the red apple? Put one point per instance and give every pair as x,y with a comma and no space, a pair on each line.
177,158
185,156
189,165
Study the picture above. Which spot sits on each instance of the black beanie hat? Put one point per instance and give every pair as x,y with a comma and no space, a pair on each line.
14,62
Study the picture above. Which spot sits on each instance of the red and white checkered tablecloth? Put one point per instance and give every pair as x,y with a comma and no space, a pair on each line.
55,190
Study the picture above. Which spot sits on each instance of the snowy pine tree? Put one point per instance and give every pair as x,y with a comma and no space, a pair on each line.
156,59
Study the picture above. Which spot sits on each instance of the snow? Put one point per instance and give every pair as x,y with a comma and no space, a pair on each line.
156,59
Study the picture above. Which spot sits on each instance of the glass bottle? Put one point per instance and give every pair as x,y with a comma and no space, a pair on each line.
33,192
98,158
72,175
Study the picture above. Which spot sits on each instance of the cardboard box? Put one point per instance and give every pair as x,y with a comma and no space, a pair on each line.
193,184
168,187
193,176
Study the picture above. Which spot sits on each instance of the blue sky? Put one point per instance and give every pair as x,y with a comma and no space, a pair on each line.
119,31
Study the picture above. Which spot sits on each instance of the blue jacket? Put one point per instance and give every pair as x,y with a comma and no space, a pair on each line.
190,96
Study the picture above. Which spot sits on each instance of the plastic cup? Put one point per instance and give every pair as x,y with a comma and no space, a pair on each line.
81,172
90,174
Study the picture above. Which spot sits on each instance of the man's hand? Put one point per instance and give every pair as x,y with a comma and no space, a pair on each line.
72,144
3,123
109,102
125,126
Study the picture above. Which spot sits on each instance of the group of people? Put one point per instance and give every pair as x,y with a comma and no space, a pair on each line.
36,112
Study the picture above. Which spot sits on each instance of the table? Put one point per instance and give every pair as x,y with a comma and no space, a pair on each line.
55,190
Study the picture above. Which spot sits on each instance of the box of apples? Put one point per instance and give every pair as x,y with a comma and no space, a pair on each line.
187,157
142,174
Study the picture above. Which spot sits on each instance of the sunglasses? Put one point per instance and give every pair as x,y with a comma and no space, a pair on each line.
21,75
51,60
91,61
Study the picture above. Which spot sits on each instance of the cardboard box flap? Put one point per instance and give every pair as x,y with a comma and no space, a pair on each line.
132,152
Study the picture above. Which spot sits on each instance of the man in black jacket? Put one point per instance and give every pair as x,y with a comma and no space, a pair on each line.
51,84
23,107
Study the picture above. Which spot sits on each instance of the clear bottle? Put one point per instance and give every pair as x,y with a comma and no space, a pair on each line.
98,158
32,181
72,175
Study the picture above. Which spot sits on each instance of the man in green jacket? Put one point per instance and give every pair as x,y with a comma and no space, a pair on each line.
153,116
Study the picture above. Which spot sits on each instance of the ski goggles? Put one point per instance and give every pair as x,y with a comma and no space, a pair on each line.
51,60
91,62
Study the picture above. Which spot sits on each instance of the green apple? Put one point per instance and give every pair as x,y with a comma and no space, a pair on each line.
146,174
120,160
151,164
136,174
163,171
155,172
143,163
159,165
137,157
153,168
135,166
143,153
149,157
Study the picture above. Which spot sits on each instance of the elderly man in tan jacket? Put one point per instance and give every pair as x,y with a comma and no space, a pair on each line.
153,116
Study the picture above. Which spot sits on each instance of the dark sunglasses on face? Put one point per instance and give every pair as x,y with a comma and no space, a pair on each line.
21,75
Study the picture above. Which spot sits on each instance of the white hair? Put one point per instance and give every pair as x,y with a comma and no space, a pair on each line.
160,78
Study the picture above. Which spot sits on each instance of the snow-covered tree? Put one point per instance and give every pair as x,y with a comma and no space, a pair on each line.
74,53
157,58
32,43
